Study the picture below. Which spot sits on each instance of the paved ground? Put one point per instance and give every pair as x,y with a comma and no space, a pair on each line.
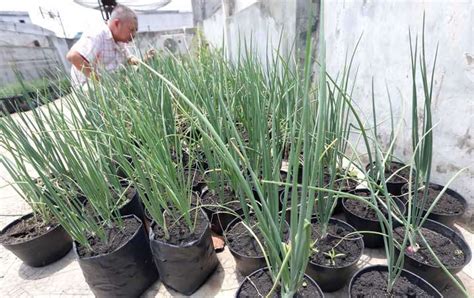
64,278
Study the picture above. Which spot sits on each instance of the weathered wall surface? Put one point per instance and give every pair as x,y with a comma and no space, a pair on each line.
31,50
21,17
384,54
240,23
162,21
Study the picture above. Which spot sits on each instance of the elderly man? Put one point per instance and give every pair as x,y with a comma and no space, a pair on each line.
104,48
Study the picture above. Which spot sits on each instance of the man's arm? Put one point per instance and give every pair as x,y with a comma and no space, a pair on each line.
79,62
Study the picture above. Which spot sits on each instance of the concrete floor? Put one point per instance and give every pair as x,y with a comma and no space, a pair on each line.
64,277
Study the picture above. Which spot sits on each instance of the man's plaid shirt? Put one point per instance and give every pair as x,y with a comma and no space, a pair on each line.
101,51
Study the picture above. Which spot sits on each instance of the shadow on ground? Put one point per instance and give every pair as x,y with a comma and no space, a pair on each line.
210,288
33,273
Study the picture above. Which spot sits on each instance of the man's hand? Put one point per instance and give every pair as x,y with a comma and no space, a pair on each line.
132,60
150,54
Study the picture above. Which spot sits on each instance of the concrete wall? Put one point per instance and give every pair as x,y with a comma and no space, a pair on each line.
166,20
258,22
31,51
15,17
252,22
384,54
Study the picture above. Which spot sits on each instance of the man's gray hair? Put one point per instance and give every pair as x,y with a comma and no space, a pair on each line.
123,13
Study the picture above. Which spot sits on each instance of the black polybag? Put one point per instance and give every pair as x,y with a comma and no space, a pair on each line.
43,249
125,272
185,268
133,206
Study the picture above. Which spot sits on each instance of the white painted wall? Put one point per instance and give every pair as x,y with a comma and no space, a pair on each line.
256,23
213,28
256,28
384,54
242,4
161,21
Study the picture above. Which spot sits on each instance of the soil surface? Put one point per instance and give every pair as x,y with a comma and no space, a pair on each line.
244,134
260,284
349,249
116,238
197,176
374,284
241,240
400,177
363,209
224,197
447,205
179,232
26,230
446,250
344,183
341,182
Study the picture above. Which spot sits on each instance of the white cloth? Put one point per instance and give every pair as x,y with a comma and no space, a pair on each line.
101,51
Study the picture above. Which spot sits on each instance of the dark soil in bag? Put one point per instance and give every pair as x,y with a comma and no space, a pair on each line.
244,243
335,255
117,237
344,183
401,177
260,283
446,205
350,249
396,182
36,242
363,209
364,218
26,229
244,246
374,284
221,207
196,177
214,200
179,232
446,250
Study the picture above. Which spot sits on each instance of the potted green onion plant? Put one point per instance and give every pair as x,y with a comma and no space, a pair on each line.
36,238
392,279
104,241
433,249
162,170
